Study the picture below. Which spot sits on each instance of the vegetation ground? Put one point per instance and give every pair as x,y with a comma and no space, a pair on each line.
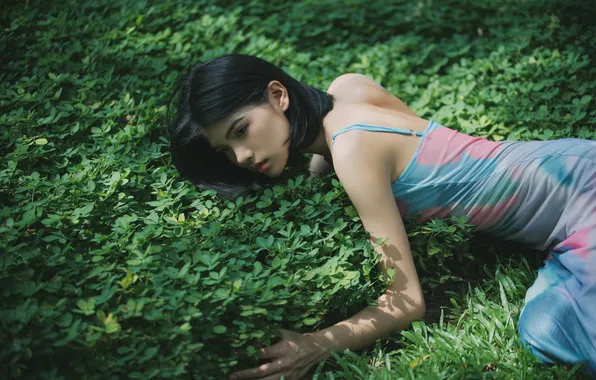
111,266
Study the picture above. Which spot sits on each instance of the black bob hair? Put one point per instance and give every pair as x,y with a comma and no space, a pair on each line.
211,92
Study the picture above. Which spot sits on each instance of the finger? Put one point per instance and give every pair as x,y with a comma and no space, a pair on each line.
274,351
260,371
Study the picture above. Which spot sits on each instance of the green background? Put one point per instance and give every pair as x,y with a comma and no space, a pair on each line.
111,266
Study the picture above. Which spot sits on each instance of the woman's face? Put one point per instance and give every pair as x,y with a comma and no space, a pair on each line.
253,137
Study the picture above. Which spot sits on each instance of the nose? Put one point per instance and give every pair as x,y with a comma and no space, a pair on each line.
243,156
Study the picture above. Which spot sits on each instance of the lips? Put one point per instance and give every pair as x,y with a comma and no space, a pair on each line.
261,166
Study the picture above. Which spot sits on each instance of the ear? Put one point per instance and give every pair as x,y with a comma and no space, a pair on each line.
278,95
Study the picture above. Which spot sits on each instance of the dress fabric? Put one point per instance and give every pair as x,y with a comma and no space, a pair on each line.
540,193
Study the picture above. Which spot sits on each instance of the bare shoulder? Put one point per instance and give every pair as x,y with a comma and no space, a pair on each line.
350,79
358,88
365,175
359,167
355,87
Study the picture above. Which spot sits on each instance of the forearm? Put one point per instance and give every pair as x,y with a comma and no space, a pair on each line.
369,325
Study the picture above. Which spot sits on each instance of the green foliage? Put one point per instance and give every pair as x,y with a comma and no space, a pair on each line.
436,243
112,267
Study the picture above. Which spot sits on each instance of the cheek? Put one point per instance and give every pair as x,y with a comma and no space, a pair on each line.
279,133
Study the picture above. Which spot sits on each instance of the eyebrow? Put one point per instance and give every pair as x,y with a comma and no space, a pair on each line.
229,131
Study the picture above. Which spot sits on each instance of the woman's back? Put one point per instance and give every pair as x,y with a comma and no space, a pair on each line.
518,190
535,192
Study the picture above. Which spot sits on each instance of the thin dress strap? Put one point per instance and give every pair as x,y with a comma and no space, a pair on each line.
375,128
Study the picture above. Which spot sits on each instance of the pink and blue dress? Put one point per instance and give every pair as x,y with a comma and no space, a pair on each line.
541,193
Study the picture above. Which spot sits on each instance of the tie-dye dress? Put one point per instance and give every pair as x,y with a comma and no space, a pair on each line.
542,193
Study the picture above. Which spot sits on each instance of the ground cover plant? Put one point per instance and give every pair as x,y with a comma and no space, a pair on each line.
112,266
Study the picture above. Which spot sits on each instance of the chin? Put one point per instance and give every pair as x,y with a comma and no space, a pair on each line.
277,169
273,173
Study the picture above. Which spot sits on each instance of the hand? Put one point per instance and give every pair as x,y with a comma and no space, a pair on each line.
293,357
319,166
314,175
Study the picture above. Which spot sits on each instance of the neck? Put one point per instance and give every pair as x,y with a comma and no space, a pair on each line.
319,146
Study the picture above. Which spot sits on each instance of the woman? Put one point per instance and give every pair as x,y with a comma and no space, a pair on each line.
242,119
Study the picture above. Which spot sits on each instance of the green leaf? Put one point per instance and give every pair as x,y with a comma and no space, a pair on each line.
134,262
391,273
84,211
265,243
310,321
434,250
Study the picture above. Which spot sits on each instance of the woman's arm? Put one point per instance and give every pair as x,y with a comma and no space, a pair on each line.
367,182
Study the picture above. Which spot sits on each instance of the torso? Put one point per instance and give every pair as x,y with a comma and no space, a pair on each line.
399,149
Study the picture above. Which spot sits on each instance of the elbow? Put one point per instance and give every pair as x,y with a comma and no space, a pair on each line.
406,308
414,311
419,311
409,309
